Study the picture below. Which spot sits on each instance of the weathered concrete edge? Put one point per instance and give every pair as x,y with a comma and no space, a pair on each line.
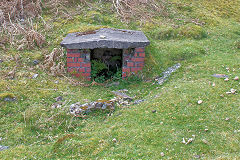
105,44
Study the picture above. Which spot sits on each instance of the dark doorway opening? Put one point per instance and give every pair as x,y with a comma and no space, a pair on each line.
106,64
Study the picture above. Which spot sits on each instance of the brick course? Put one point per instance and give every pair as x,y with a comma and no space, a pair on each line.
133,61
78,63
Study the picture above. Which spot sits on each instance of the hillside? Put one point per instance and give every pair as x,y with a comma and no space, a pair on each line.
203,36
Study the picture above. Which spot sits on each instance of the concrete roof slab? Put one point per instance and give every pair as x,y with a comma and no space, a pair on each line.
105,38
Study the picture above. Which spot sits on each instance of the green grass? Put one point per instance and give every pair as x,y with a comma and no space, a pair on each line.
33,130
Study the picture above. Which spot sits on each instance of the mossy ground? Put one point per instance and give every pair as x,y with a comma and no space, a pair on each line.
33,130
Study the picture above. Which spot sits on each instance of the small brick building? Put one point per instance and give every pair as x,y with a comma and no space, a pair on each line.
104,44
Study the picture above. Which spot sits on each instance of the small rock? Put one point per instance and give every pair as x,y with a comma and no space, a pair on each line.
200,102
213,84
205,141
197,156
233,91
9,99
219,75
56,82
227,119
226,79
138,101
114,140
167,73
36,62
228,92
183,141
189,141
236,78
3,148
206,130
59,98
78,109
102,37
56,105
122,95
1,60
34,76
162,154
221,95
154,111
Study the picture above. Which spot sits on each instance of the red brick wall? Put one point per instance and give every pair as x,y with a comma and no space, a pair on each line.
78,63
133,61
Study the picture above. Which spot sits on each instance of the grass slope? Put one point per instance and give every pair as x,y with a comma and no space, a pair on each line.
34,130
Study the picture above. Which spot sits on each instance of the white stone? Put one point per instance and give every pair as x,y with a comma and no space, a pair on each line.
233,91
226,79
162,154
102,37
200,102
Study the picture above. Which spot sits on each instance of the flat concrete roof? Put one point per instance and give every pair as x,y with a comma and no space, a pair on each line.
105,38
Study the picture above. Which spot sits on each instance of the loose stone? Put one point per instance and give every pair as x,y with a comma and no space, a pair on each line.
36,62
200,102
59,98
122,95
227,119
56,105
167,73
226,79
34,76
162,154
233,91
236,78
220,75
102,37
78,108
154,111
197,156
3,148
138,101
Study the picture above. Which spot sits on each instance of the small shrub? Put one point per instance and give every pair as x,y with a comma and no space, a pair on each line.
97,71
54,62
100,72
